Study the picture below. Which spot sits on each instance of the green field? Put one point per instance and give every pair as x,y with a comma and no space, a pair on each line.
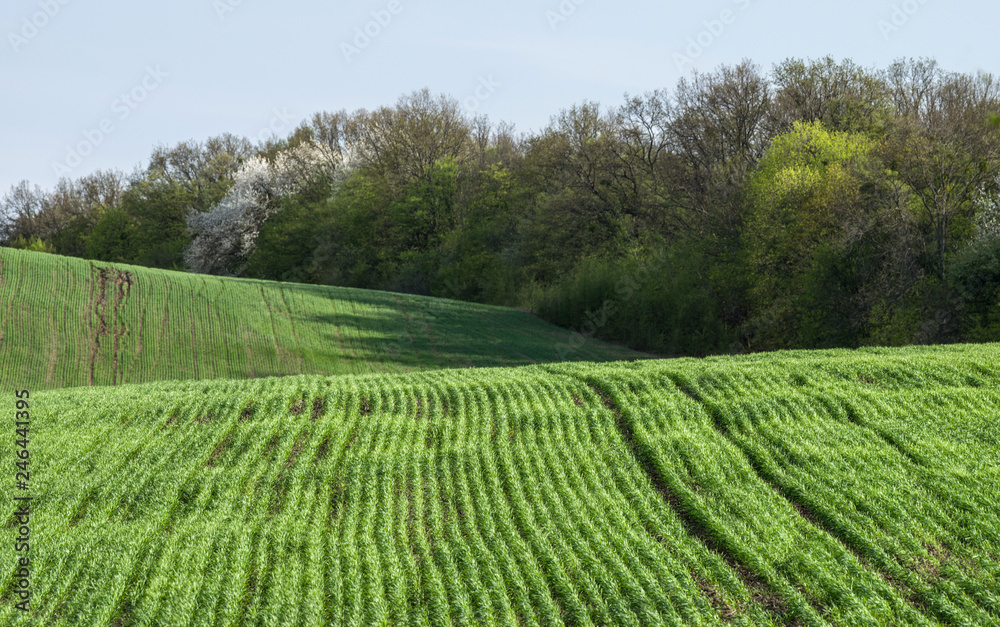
68,322
838,487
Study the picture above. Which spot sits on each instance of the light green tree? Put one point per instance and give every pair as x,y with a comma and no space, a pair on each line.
807,205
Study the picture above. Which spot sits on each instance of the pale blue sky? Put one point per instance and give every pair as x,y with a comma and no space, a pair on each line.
247,66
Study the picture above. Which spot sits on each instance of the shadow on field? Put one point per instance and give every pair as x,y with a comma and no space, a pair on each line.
419,333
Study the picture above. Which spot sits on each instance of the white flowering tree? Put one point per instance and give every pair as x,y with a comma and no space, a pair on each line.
988,214
224,236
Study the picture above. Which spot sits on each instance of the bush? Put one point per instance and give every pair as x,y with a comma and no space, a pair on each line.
660,303
35,244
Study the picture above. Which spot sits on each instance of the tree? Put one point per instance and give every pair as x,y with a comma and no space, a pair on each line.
718,133
975,272
160,208
575,163
19,212
355,239
644,152
912,85
808,208
284,249
35,244
843,96
328,132
61,217
113,238
224,237
942,147
205,170
425,213
403,143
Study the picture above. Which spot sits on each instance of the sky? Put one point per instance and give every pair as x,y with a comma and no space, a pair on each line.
88,85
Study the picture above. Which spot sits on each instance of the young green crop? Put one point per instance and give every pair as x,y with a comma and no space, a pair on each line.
837,487
69,322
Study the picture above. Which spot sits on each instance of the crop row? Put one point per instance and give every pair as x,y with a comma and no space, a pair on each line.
860,487
492,497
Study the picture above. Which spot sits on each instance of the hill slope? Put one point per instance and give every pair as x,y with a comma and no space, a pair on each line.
68,322
814,488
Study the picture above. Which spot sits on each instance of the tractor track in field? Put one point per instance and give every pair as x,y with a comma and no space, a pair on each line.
760,592
279,354
90,326
803,509
855,419
194,349
139,345
2,331
70,282
298,354
53,351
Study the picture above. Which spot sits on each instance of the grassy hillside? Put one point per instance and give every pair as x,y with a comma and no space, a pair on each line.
842,487
68,322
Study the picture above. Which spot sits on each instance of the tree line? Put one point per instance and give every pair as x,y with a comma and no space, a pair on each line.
820,204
